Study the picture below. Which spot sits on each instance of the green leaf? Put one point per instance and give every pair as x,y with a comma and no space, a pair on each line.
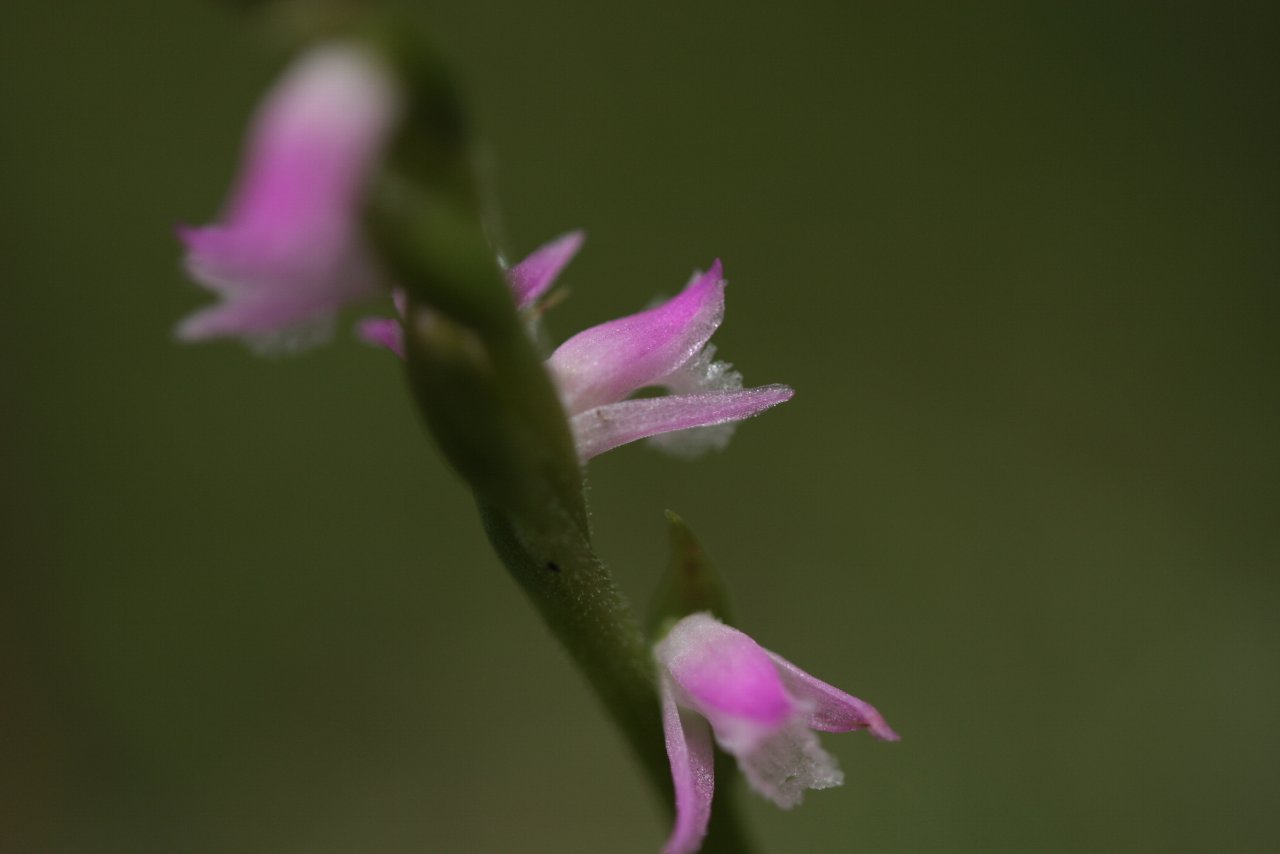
691,583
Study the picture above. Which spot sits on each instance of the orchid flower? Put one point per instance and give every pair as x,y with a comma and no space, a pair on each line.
597,370
761,708
289,253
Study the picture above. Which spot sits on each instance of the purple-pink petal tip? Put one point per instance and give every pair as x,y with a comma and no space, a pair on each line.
535,275
382,332
607,362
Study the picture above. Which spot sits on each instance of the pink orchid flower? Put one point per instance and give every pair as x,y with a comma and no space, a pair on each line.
289,254
597,370
761,708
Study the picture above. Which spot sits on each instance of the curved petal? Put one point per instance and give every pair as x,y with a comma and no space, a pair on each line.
532,277
606,427
605,363
832,709
692,771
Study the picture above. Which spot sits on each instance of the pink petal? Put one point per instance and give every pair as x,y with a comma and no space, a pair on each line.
290,249
383,332
313,140
833,709
532,277
725,676
605,363
606,427
692,771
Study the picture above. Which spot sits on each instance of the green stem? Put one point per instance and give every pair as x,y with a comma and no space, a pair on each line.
584,609
587,613
486,397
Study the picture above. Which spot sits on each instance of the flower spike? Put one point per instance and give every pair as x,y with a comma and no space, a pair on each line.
761,709
289,253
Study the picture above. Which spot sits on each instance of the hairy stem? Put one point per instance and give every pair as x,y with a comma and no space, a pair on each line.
583,608
587,613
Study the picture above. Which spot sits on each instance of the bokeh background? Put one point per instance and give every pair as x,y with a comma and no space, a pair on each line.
1019,260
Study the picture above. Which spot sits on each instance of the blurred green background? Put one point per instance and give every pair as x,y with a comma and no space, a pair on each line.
1018,259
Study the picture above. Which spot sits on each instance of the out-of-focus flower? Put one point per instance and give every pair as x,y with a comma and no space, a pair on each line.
665,347
761,709
289,253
